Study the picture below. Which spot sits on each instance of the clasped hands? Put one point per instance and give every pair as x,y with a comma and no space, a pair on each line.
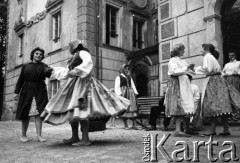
190,68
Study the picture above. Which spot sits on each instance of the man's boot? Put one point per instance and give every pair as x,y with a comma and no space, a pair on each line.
74,138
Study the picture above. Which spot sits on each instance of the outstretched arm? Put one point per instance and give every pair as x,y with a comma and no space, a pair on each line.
85,68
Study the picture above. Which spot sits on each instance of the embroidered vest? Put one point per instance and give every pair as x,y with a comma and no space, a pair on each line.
125,81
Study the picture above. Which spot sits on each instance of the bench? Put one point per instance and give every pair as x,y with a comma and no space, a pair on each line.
144,107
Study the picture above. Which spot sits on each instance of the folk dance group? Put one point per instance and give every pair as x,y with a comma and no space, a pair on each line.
82,97
220,91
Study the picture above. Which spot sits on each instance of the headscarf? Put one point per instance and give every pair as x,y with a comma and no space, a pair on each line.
75,43
121,69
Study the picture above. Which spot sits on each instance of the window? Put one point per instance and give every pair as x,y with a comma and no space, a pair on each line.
156,32
19,57
138,33
21,45
56,26
111,23
53,87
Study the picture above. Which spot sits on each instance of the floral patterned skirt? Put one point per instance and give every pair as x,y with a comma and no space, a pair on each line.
234,80
220,98
82,99
33,111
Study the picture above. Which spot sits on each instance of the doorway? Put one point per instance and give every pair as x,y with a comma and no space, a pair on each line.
140,77
142,85
231,28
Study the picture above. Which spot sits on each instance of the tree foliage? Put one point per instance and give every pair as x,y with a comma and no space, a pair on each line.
3,32
3,27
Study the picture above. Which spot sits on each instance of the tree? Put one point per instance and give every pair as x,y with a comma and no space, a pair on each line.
3,32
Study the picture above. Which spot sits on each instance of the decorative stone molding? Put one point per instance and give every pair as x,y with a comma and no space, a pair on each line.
144,6
35,19
19,24
20,2
210,17
154,58
162,1
165,11
165,50
52,3
165,72
168,30
139,3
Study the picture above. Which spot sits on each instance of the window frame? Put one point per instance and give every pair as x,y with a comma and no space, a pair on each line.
137,33
52,91
56,14
56,31
21,44
110,32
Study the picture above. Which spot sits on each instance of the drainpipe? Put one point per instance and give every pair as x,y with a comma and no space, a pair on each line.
97,38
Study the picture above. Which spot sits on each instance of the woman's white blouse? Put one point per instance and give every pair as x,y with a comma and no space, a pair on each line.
177,66
232,68
82,70
210,64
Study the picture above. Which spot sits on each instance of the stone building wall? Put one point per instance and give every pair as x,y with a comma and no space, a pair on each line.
36,32
188,22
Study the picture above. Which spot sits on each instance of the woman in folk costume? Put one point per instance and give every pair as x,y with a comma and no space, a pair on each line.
81,97
179,100
231,71
124,86
217,96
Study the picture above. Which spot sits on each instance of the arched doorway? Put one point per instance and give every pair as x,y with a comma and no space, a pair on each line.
231,28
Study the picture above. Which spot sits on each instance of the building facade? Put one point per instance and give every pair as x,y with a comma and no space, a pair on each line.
194,22
138,32
115,31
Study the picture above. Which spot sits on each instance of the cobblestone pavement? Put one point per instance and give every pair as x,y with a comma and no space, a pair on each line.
112,145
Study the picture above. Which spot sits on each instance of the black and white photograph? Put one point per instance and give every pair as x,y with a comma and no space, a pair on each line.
119,81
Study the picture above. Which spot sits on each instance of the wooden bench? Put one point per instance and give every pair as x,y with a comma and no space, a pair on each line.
145,104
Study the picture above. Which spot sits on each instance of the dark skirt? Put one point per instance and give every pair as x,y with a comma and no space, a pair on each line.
197,118
173,98
83,99
132,110
220,98
28,92
234,80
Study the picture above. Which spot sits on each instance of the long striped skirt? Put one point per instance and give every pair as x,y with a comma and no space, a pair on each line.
83,99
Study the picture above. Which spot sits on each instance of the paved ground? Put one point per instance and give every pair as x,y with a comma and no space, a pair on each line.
112,145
